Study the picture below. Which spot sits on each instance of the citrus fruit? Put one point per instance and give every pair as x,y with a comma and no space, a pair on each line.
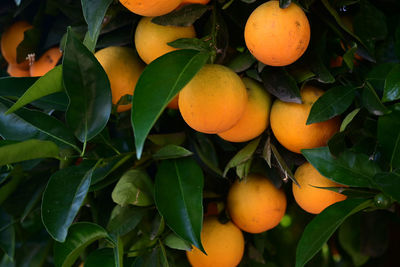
214,100
46,62
10,40
255,118
277,36
255,204
288,123
150,7
151,39
174,103
15,71
312,199
223,243
123,69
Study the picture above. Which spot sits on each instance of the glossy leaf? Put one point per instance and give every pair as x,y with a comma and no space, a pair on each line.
102,257
175,242
156,88
80,236
378,74
134,187
184,16
191,43
318,231
107,166
371,101
29,43
206,151
7,234
88,89
389,183
124,220
279,83
46,85
178,196
348,168
348,119
392,85
332,103
242,62
94,12
63,197
27,150
389,136
172,152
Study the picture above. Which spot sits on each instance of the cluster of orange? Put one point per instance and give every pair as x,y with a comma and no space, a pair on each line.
10,40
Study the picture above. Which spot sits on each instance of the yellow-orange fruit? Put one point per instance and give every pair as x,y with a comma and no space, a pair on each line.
203,2
255,118
223,243
214,100
123,69
15,71
275,36
46,62
288,123
151,8
312,199
10,40
151,39
255,204
174,103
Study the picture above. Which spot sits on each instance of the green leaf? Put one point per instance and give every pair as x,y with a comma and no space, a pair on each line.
80,236
156,88
94,12
389,136
191,43
184,16
349,118
171,152
389,183
7,234
206,151
318,231
107,166
332,103
135,187
48,84
377,76
392,85
63,197
29,44
283,165
284,3
349,168
348,57
124,220
15,86
103,257
371,101
175,242
243,155
88,89
279,83
178,196
118,252
27,150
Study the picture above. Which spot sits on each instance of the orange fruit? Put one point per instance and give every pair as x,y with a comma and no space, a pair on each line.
150,8
46,62
288,123
223,243
255,204
10,40
336,62
255,118
123,68
151,39
174,103
15,71
214,100
312,199
275,36
203,2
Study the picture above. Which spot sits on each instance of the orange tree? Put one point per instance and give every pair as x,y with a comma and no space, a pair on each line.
86,182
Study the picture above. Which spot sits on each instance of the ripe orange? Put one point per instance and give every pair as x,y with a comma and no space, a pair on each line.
312,199
255,118
214,100
15,71
223,243
10,40
151,8
123,69
174,103
151,39
288,123
46,62
275,36
255,204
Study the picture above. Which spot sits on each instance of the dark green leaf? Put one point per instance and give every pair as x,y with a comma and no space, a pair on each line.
242,62
378,75
135,187
94,12
389,136
118,252
318,231
348,57
63,197
184,16
124,220
178,195
279,83
107,166
206,151
392,85
334,102
175,242
103,257
48,84
349,168
80,236
7,235
27,150
88,89
172,152
168,139
29,44
156,88
190,43
283,165
13,86
389,183
371,101
284,3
